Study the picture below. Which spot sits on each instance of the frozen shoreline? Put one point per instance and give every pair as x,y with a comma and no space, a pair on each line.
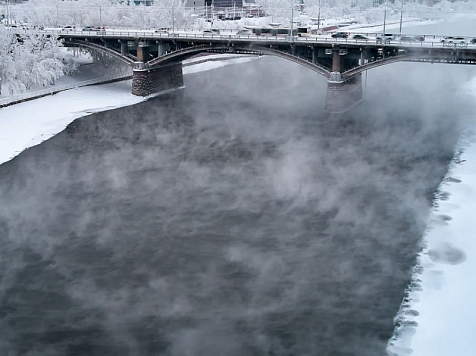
439,318
29,123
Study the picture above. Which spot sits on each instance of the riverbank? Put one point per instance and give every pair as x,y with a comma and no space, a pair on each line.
438,318
29,123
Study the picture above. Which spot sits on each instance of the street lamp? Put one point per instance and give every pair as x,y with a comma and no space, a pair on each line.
173,20
292,16
8,12
401,17
319,16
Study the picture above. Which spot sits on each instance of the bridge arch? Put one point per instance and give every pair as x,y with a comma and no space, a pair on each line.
94,46
346,75
182,54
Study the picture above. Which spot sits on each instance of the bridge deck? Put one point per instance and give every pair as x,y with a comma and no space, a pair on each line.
430,42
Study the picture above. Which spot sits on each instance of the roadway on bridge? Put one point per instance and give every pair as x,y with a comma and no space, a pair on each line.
367,39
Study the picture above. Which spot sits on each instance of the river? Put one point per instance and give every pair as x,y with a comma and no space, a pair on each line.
228,218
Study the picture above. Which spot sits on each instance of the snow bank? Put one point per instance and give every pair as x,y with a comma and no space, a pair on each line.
214,64
389,26
439,318
30,123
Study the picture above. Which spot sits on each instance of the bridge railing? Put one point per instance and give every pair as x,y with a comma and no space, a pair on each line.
59,88
429,41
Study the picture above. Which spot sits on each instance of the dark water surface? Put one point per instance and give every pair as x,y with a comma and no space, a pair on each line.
228,218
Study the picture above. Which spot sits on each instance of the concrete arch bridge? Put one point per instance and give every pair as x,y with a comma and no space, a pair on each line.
156,58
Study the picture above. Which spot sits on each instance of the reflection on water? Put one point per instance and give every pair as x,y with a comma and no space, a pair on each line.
229,218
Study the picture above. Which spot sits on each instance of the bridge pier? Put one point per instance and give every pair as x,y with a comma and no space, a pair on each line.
161,49
143,52
150,81
314,54
336,60
124,48
343,95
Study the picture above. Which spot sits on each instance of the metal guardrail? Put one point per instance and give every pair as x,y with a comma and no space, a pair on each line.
56,89
431,41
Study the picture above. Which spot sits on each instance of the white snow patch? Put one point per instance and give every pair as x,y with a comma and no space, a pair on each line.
389,26
440,317
214,64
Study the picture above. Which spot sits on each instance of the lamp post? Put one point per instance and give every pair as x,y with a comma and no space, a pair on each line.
401,18
292,16
173,20
8,12
319,16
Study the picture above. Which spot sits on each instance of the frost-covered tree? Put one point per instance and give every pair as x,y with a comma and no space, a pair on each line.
30,60
115,13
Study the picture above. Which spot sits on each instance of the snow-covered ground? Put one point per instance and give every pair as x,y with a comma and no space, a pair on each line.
30,123
440,317
389,26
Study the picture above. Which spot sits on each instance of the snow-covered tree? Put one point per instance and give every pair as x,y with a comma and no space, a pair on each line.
115,13
30,60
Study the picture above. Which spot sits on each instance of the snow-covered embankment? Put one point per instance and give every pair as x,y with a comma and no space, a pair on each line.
439,318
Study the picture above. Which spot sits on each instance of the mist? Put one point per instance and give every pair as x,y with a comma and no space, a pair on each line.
232,217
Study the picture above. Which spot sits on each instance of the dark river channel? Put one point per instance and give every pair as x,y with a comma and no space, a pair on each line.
230,218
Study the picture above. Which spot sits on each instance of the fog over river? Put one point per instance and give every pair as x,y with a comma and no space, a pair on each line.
229,218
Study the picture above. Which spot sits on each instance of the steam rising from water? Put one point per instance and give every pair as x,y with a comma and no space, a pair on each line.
231,218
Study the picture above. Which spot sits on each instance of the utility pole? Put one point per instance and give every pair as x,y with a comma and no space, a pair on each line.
173,20
8,13
401,18
384,20
292,16
319,16
100,16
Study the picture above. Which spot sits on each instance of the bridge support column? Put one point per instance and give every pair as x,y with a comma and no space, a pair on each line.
336,60
150,81
162,49
143,52
343,95
124,48
314,55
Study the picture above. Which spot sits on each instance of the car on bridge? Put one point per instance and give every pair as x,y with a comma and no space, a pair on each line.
68,28
407,39
359,37
340,35
451,39
385,38
94,28
244,32
212,32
